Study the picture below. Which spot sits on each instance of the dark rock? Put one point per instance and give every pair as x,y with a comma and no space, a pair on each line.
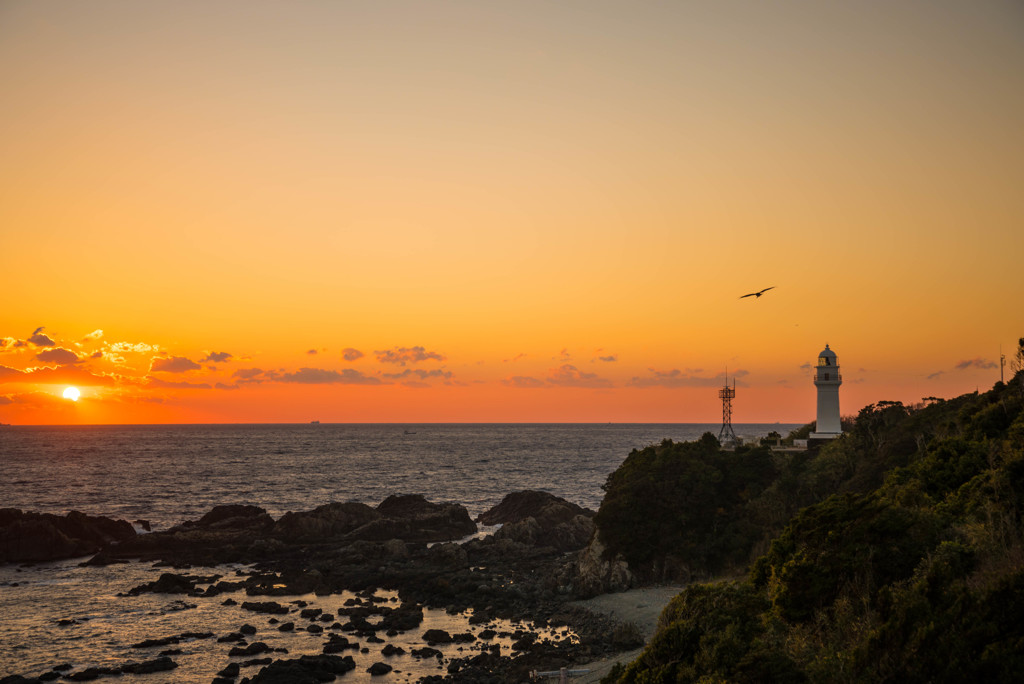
427,652
311,669
314,629
392,650
150,643
337,644
379,669
230,671
144,524
310,613
437,636
255,648
235,515
546,509
169,583
324,522
229,602
30,537
541,519
233,637
403,618
161,664
247,629
265,607
287,627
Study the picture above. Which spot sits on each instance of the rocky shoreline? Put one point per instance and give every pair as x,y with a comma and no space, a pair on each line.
428,555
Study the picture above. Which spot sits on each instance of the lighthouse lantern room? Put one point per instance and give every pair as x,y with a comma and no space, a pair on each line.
827,379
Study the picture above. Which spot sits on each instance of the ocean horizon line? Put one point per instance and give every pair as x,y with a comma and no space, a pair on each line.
384,423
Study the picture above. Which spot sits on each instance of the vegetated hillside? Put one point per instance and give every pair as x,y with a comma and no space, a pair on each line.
908,564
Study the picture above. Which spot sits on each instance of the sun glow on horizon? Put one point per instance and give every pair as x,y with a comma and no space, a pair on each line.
72,393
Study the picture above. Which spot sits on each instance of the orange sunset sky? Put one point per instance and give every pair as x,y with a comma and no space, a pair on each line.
503,211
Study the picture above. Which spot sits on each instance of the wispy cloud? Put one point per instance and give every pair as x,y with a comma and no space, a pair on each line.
216,357
312,352
320,376
58,355
41,340
93,336
420,373
523,381
515,358
167,384
173,364
403,355
936,375
133,347
350,354
70,375
568,375
976,363
678,378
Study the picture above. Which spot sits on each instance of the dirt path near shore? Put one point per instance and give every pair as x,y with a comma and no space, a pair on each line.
640,606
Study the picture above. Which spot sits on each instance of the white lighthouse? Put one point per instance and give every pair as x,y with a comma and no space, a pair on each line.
827,379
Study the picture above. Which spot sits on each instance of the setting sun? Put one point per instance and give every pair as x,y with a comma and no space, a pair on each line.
72,393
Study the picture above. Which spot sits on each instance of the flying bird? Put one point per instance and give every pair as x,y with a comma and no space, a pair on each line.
758,294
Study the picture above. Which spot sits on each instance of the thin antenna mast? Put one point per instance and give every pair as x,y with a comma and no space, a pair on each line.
726,436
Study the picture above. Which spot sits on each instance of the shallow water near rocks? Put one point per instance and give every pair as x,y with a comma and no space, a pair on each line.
103,626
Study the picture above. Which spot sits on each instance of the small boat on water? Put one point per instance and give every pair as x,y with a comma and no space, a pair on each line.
314,422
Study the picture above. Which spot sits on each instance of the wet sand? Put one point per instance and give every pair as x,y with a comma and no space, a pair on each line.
640,606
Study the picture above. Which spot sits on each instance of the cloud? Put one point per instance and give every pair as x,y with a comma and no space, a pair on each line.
515,358
62,375
420,373
222,386
136,347
248,374
166,384
97,355
312,352
568,375
608,359
935,375
977,363
678,378
41,340
6,372
404,355
93,336
216,357
4,399
350,354
523,381
174,364
59,356
320,376
416,384
806,366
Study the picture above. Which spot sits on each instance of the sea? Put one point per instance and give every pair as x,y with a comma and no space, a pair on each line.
62,615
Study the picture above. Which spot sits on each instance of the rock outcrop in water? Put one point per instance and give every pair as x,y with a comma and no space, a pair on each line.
233,533
540,519
28,537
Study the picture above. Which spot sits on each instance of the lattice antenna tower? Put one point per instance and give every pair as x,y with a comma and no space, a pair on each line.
726,394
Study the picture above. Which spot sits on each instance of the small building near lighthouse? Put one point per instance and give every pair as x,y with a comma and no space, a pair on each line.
827,379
